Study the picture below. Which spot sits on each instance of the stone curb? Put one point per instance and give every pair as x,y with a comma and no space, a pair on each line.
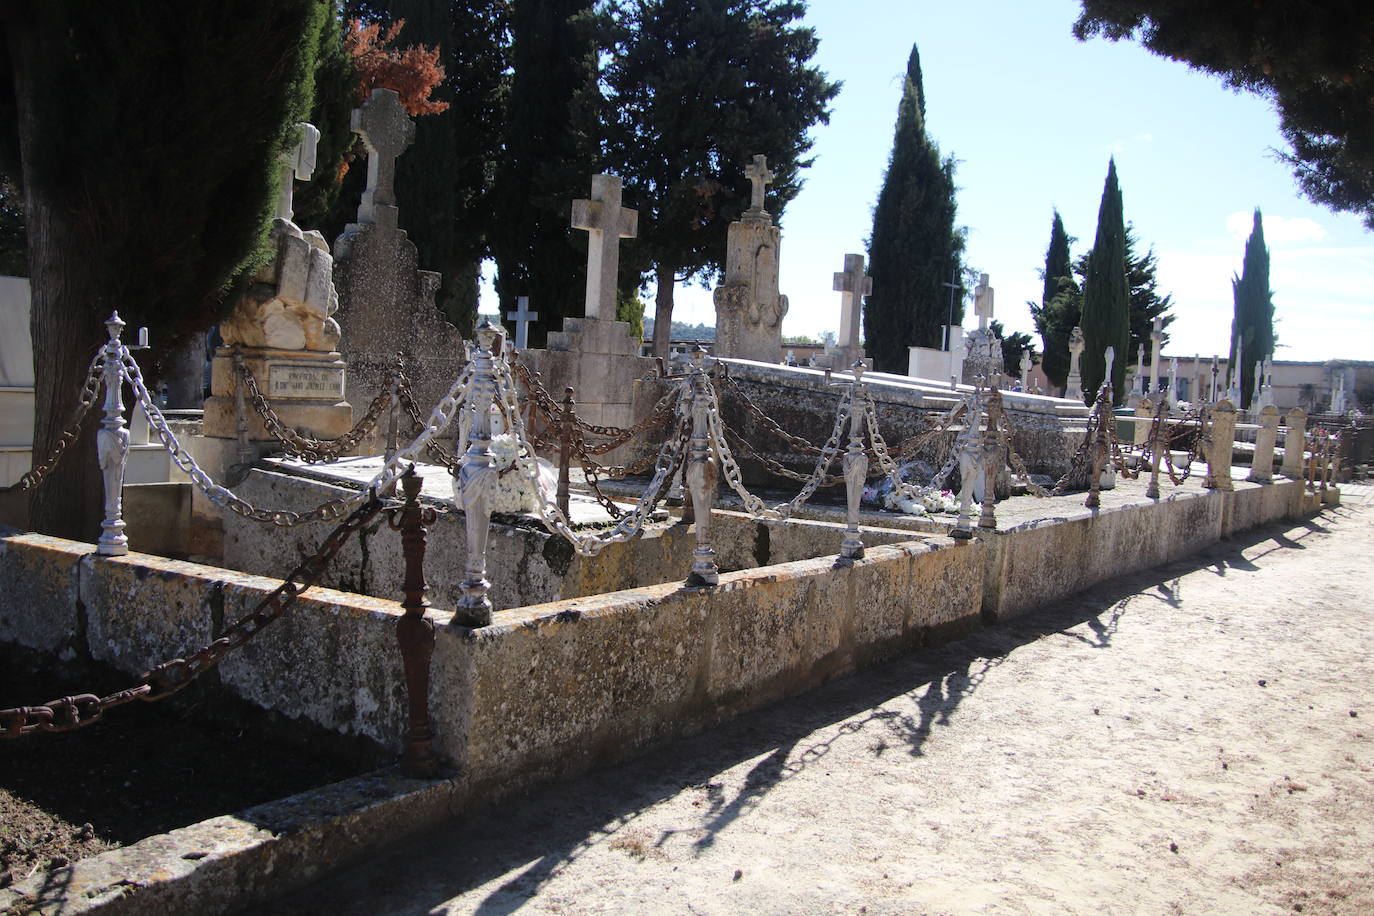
230,862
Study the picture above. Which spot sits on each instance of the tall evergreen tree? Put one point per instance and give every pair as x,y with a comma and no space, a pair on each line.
914,246
696,88
1253,324
441,181
1060,306
548,155
1146,303
1106,318
146,140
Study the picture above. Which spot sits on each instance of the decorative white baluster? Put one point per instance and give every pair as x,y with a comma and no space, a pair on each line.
855,469
991,450
477,481
701,473
112,445
970,465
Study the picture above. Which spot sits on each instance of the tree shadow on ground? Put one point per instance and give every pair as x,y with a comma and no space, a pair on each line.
539,834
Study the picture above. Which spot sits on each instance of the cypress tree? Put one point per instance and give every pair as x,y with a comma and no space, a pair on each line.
914,246
1106,318
547,160
441,182
147,143
1060,304
695,90
1253,324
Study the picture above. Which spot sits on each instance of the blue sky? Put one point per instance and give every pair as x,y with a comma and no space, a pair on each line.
1032,116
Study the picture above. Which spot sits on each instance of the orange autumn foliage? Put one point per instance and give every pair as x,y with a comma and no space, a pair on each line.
412,72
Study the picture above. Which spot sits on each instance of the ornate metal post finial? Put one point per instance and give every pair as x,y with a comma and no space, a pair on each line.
477,481
701,472
1159,440
112,444
855,467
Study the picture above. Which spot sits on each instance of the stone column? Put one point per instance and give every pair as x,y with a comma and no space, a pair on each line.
1293,441
1156,346
1262,465
1223,430
1146,410
1074,389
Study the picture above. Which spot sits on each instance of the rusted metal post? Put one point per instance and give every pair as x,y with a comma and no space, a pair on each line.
701,474
567,428
415,631
1158,441
992,460
855,468
1101,451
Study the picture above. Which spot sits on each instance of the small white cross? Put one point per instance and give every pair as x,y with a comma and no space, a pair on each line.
522,316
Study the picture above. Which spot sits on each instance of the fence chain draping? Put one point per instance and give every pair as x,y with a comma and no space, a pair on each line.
552,412
305,448
670,456
889,465
73,712
1077,464
90,390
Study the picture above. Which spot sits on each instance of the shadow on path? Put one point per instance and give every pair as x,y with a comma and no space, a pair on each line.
539,834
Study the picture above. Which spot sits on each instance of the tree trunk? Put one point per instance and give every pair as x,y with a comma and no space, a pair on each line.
183,371
663,309
64,317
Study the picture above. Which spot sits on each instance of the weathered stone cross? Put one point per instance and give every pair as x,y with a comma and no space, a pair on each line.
522,316
606,222
853,286
758,174
387,131
982,302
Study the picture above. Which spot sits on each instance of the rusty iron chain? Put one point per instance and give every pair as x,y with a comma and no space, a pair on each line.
308,449
552,412
73,712
70,433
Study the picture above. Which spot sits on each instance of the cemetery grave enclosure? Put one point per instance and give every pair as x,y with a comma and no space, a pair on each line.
550,645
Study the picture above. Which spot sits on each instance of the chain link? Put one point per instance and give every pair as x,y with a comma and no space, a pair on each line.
311,450
70,433
73,712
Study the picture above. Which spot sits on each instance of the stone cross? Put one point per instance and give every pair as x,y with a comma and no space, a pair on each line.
1156,344
1173,381
853,285
1074,386
1026,365
387,131
522,316
297,163
606,223
758,174
982,302
1140,369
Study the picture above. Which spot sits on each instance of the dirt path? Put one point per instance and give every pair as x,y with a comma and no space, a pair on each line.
1196,739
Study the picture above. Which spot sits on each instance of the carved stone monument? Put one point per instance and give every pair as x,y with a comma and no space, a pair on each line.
983,349
1073,389
749,308
285,330
852,284
1027,364
386,304
595,355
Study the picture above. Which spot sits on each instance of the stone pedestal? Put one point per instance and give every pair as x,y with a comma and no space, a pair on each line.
304,387
749,309
600,361
983,357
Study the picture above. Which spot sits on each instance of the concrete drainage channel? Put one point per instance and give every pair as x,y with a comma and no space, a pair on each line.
601,678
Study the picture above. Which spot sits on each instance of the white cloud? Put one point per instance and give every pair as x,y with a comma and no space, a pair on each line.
1278,230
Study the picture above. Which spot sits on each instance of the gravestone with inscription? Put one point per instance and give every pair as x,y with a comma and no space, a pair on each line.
749,308
386,303
285,330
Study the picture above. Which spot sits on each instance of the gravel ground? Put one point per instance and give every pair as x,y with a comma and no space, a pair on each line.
1194,739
